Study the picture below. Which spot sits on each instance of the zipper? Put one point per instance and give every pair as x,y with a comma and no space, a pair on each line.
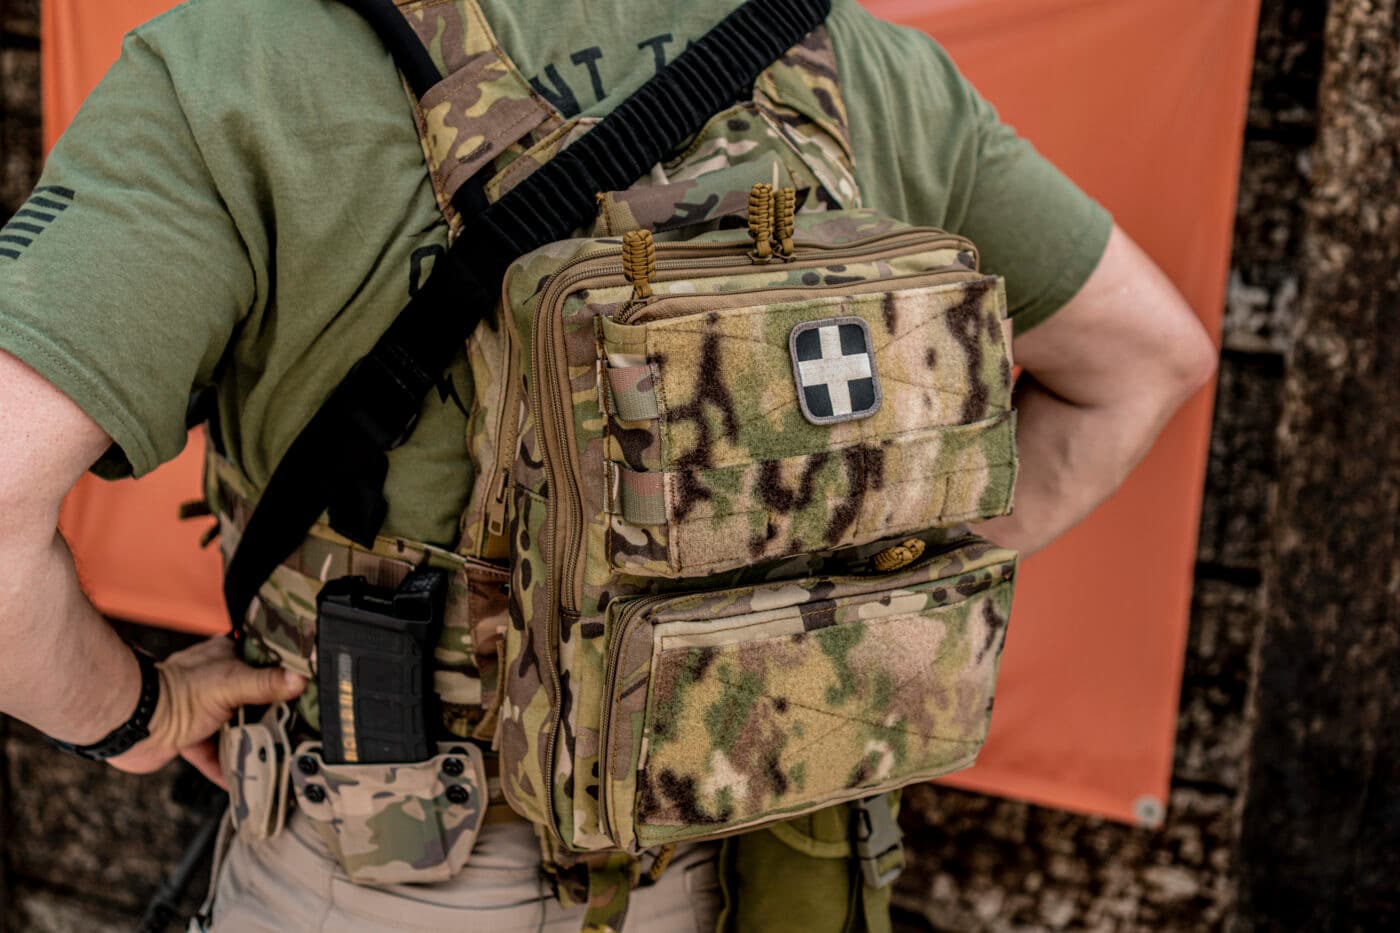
550,530
506,442
681,305
614,658
904,241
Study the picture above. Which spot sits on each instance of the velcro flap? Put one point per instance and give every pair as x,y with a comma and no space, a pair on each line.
809,424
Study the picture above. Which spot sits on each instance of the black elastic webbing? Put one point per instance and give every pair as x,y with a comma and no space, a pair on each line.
338,462
403,43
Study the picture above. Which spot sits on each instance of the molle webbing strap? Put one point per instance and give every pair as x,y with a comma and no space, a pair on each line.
631,394
339,461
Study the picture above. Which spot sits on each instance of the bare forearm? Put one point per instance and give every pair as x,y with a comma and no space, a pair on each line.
1072,458
1102,377
62,667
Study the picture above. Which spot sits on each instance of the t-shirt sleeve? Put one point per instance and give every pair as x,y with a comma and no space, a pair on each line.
930,150
123,277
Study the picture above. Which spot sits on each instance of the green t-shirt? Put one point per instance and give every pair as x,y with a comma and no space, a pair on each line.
243,202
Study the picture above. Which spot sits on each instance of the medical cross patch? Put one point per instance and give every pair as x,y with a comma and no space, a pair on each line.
834,366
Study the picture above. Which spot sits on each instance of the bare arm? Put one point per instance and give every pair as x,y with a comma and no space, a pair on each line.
62,668
1100,380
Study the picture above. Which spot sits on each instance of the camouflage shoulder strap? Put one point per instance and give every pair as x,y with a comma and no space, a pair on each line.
803,89
481,107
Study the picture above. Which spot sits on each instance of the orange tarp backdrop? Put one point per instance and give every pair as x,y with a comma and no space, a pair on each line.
1143,104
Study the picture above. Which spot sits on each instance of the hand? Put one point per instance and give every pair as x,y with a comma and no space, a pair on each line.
200,689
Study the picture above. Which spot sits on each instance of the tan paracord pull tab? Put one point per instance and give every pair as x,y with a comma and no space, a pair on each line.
785,206
639,261
899,556
761,220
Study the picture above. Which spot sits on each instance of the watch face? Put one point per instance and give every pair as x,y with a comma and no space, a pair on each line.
834,367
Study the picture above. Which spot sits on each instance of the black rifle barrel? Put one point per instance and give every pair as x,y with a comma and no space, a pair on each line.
161,911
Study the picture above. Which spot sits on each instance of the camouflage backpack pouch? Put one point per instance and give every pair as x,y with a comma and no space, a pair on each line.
743,588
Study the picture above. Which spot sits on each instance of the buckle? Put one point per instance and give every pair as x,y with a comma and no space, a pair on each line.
878,841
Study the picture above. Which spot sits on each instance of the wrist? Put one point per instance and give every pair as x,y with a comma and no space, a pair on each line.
136,728
154,751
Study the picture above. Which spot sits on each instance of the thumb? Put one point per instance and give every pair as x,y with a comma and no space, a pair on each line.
256,686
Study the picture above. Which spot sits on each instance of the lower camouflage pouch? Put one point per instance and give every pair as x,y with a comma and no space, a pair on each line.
395,823
730,709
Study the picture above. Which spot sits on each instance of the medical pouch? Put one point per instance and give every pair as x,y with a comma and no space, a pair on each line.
743,586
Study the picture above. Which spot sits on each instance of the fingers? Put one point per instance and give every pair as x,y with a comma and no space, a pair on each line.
205,758
242,685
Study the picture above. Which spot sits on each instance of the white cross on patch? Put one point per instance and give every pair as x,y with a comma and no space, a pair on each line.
835,370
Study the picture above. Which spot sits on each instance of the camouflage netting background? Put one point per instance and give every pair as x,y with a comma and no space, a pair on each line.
1256,839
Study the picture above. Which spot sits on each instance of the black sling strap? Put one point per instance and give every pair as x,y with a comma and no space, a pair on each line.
338,463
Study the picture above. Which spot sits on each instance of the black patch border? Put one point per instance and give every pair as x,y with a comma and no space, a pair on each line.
822,420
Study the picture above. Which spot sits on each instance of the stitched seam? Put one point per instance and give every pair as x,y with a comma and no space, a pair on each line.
932,477
745,560
986,425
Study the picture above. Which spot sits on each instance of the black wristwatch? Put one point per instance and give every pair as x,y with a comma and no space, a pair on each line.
137,725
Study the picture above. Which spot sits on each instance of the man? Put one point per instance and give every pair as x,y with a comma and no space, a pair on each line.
243,203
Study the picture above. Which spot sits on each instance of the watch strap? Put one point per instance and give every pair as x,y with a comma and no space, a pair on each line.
137,725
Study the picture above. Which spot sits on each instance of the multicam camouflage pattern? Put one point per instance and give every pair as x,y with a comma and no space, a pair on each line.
694,203
782,698
483,105
801,97
746,491
778,485
600,882
280,627
395,824
254,761
486,113
745,477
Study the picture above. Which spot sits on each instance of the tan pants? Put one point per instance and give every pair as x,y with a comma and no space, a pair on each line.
292,883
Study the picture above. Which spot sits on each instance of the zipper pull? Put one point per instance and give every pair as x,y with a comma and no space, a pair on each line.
639,262
496,509
761,221
785,221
